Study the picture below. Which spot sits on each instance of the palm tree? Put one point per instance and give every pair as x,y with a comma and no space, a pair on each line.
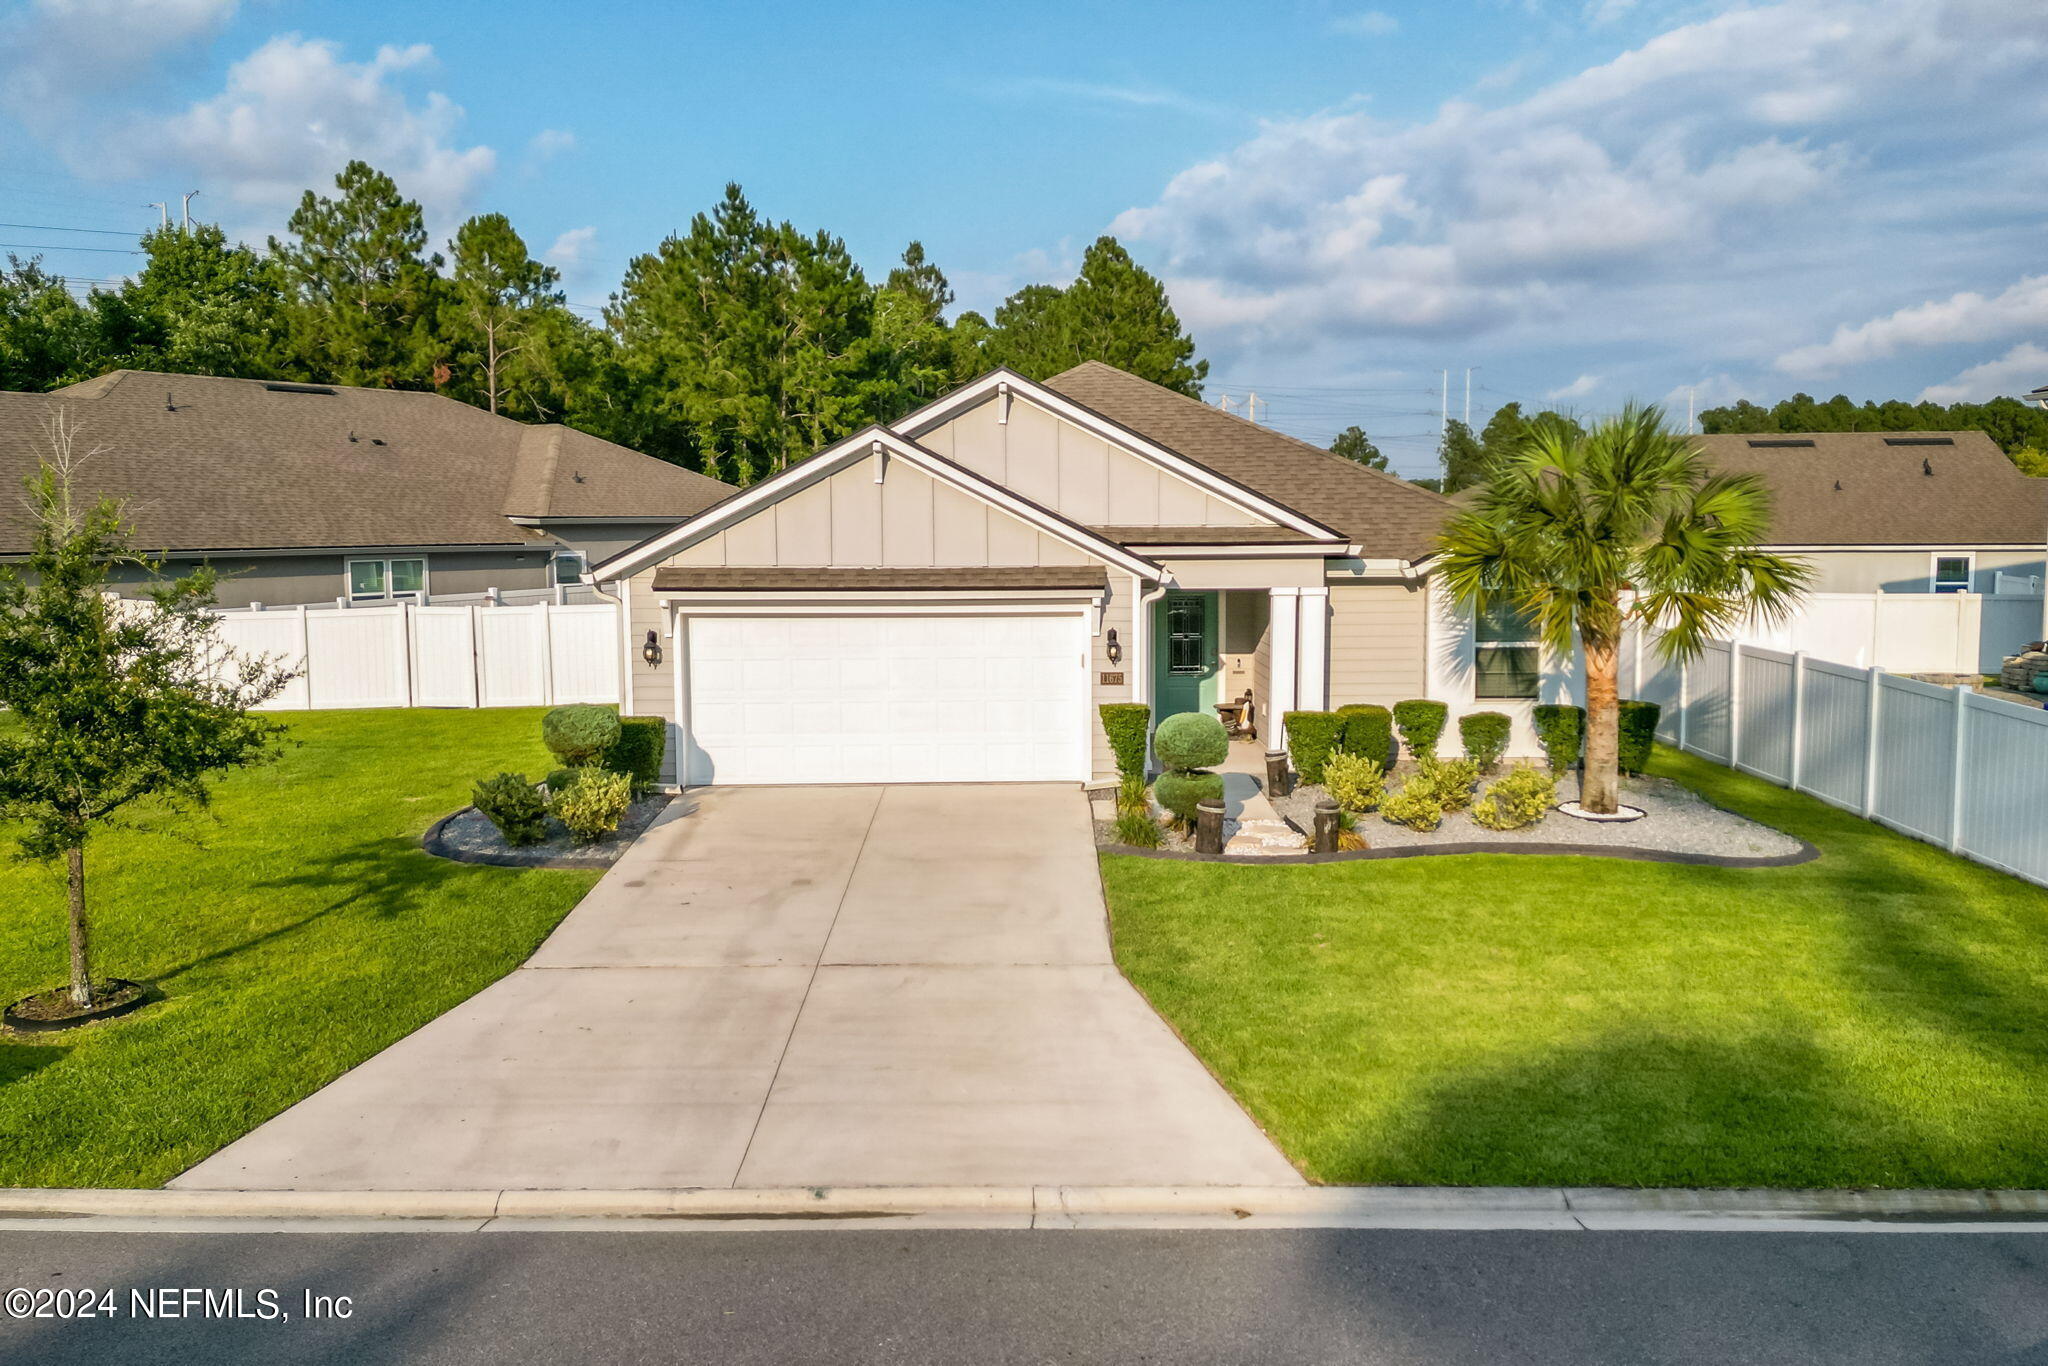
1583,535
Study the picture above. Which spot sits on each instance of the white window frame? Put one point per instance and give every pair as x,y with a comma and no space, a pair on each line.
582,571
348,578
1969,583
1479,644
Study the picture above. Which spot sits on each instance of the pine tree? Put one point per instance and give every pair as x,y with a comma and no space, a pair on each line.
910,327
1353,444
364,299
1464,460
495,298
201,306
1115,311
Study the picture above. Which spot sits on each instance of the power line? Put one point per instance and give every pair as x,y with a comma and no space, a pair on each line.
44,246
52,227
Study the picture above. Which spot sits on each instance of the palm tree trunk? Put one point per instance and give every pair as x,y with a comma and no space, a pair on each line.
1600,779
81,967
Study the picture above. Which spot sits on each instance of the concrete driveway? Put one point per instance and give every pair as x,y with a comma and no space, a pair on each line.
791,987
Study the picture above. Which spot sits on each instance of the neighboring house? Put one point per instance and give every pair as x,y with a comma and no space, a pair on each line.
1897,512
309,493
950,598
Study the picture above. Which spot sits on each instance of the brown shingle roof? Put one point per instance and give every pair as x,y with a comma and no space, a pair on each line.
1873,488
240,464
1388,517
1202,535
682,578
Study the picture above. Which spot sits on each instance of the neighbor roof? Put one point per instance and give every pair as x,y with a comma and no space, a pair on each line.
1888,488
1387,517
242,464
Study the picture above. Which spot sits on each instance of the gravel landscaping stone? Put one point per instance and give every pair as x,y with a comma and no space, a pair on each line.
469,837
1678,821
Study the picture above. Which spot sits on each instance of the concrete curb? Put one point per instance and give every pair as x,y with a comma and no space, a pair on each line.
1526,1208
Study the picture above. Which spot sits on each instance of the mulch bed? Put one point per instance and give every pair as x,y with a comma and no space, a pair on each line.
469,837
52,1010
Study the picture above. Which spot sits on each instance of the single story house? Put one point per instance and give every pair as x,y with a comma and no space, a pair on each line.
314,493
1897,512
952,596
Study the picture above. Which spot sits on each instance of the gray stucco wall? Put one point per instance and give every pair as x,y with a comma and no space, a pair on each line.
602,540
1907,571
288,580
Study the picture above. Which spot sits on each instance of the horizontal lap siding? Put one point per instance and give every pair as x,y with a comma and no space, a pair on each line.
1376,643
1116,616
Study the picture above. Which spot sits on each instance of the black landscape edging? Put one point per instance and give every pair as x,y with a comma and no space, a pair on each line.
1806,853
20,1026
435,842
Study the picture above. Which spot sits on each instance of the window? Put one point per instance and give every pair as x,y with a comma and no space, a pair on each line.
1952,573
387,580
570,566
1187,635
1506,656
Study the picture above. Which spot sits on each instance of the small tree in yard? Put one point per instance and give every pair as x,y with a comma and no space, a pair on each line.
113,702
1570,524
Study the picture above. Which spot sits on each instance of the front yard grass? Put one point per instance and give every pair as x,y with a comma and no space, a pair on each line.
1876,1018
293,938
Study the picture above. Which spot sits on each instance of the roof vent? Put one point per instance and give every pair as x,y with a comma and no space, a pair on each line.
1781,441
280,387
1919,441
376,441
1926,467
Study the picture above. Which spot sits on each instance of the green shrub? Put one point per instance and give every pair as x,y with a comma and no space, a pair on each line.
1189,741
510,802
562,779
1421,723
1133,795
1311,738
1368,733
1179,792
580,734
1354,782
1638,732
1125,724
1454,780
1520,797
1561,730
1415,805
1485,734
1137,828
591,806
638,752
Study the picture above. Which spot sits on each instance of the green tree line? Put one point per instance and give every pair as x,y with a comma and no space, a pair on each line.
2020,430
734,347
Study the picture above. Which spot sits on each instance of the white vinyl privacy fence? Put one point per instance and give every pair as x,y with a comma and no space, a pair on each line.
1943,764
405,655
1941,633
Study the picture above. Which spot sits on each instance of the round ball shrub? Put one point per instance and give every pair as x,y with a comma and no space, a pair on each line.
580,734
1190,741
1354,782
510,802
1178,792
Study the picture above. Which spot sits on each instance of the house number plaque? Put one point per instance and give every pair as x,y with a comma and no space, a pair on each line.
1115,680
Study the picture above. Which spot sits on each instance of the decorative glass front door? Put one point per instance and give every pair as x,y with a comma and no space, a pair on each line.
1186,672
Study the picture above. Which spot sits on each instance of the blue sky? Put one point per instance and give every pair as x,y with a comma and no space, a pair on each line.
1587,200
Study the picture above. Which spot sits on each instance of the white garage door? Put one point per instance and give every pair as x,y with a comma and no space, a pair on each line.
882,699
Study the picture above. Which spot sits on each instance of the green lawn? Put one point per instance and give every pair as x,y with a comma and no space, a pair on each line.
1876,1018
294,936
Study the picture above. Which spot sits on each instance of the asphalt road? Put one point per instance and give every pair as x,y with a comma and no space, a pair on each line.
1359,1296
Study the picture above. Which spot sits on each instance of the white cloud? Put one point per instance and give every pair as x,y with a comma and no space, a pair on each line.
1578,388
58,54
572,253
1710,191
1967,316
550,141
295,111
1370,23
2023,368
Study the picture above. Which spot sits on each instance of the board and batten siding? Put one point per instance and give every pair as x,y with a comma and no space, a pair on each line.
1376,642
1074,472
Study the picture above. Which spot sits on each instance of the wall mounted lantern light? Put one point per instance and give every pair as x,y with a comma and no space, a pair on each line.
651,651
1112,648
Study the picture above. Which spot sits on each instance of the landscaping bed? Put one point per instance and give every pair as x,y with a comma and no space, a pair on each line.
1877,1017
468,836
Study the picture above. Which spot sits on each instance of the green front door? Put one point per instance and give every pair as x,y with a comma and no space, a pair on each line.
1185,662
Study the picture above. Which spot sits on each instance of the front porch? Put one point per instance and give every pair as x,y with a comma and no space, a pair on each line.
1215,648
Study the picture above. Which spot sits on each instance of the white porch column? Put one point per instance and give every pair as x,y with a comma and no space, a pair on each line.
1312,673
1283,651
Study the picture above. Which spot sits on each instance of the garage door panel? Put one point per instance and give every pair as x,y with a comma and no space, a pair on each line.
886,699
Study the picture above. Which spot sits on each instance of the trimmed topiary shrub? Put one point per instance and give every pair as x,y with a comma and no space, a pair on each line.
592,805
1415,805
1311,738
1354,782
510,802
1454,781
1561,730
1125,723
580,734
1421,723
1485,734
1190,741
1178,792
1638,732
1520,798
1368,733
638,751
